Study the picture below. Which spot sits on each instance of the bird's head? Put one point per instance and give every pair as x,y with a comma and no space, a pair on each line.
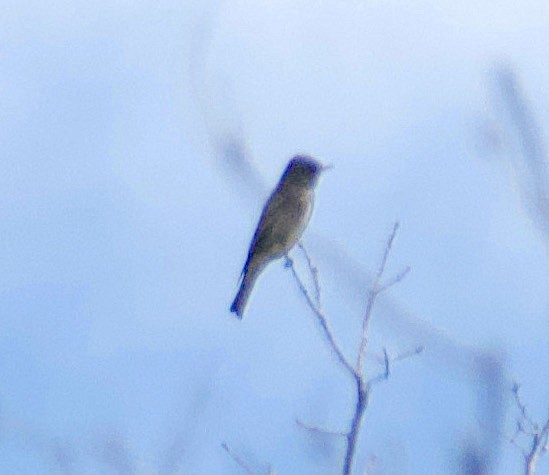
303,169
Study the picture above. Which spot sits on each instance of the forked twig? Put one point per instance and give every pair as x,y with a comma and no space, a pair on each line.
323,322
538,436
363,386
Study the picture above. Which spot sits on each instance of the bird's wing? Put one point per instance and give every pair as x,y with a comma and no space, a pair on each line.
282,214
262,231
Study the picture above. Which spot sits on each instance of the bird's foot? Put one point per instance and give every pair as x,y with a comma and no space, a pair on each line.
288,262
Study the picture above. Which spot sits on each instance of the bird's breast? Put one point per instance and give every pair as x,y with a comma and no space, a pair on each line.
296,206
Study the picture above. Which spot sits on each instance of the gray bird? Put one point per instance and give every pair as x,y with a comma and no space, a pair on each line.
283,220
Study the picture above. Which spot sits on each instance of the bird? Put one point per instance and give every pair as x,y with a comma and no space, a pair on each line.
283,220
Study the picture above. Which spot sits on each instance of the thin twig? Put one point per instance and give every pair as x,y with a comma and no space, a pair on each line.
408,354
388,362
538,436
362,386
319,430
383,376
540,439
323,322
395,280
387,251
524,416
372,295
314,273
238,460
401,356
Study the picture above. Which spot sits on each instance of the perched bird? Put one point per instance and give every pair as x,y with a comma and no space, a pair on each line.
283,220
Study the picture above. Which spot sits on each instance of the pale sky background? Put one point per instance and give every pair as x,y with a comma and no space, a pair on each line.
123,234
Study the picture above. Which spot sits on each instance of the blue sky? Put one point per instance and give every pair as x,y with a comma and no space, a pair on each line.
123,233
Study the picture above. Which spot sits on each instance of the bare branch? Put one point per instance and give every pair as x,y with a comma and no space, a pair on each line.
362,386
323,321
388,361
540,439
374,291
538,436
363,396
395,280
314,273
385,374
522,407
238,460
387,251
320,430
408,354
401,356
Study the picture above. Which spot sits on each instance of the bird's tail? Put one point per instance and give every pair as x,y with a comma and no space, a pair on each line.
248,280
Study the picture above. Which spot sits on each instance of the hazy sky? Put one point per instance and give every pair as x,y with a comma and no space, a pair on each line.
123,234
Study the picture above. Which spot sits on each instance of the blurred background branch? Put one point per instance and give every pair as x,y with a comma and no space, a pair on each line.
530,165
243,464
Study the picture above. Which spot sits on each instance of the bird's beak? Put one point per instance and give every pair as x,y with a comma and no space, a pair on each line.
327,167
